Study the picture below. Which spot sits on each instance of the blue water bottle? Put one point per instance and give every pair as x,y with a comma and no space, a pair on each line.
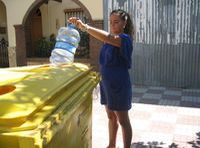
67,41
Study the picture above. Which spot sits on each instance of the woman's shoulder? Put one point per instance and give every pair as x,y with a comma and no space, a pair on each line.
125,36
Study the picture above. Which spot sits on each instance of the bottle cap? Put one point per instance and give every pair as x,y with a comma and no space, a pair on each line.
71,25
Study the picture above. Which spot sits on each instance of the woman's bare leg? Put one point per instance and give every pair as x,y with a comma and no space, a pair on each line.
112,127
126,127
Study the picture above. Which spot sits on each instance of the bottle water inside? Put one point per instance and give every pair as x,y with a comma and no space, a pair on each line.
67,41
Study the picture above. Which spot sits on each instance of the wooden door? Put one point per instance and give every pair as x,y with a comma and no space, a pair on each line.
36,32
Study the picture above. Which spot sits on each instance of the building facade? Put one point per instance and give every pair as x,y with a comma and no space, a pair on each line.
26,21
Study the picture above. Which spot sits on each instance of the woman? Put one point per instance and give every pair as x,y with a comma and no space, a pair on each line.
115,60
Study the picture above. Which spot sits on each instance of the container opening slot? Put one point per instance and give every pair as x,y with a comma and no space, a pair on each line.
6,89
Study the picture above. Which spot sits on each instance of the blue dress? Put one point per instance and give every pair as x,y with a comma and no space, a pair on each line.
115,84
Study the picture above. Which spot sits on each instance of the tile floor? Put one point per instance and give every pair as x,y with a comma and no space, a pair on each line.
161,118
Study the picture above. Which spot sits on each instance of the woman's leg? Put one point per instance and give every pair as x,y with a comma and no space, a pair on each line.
126,127
112,127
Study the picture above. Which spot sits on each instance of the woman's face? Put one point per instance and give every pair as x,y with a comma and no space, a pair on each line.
116,24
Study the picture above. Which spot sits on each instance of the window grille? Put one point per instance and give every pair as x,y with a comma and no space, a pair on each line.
4,53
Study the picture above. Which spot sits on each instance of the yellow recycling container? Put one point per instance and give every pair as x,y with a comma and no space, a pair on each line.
46,107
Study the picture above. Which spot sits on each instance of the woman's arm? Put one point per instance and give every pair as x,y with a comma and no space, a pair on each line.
99,34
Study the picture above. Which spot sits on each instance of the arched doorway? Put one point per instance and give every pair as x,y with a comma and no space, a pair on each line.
26,27
3,37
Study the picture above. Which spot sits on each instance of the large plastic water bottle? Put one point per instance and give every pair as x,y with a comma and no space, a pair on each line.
67,41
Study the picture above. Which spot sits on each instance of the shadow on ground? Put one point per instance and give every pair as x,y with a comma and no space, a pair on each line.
196,142
153,144
156,144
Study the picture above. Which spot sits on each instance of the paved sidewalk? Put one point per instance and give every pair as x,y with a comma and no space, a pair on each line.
160,117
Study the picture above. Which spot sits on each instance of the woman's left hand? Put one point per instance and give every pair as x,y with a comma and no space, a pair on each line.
77,22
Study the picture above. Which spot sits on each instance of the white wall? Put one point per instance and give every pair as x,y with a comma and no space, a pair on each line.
95,7
16,9
52,14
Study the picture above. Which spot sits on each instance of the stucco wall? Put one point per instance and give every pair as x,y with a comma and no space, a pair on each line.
53,13
16,10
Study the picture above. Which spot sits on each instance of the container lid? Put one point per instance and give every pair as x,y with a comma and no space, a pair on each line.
32,89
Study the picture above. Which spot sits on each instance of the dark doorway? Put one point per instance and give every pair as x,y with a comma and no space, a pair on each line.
36,31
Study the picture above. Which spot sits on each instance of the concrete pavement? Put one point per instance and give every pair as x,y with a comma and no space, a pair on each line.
160,117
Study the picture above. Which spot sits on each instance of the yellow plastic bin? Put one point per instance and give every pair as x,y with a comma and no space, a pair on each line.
46,107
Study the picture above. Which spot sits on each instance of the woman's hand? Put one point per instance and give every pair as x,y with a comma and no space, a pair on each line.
77,22
99,34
